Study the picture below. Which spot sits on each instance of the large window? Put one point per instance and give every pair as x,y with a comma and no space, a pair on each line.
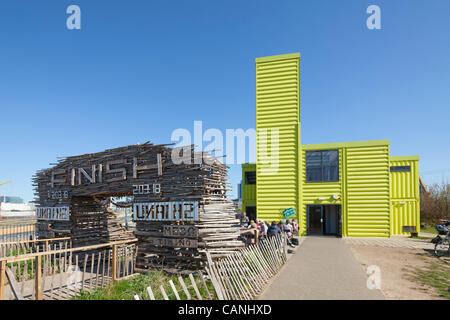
322,166
250,177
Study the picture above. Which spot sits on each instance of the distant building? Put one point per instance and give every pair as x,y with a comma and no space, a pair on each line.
239,186
8,199
15,207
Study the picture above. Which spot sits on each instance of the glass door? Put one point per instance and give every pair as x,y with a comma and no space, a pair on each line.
315,219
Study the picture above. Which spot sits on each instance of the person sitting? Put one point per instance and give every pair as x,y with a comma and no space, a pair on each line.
273,229
289,229
244,220
295,226
264,227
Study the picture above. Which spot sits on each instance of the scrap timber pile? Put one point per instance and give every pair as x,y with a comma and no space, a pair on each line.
180,205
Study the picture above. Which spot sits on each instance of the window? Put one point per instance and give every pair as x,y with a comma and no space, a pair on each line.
322,166
400,168
250,177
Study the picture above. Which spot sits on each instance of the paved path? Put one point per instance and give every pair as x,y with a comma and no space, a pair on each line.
322,268
393,242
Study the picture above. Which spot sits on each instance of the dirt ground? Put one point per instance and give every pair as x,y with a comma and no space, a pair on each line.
397,265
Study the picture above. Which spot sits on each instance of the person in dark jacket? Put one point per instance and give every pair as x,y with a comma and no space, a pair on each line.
273,229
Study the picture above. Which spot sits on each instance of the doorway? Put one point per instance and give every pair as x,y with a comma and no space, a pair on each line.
324,220
251,213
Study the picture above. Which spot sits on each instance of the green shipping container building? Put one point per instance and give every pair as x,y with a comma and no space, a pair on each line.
352,189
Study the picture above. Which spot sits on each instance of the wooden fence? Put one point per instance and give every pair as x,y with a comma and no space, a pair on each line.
17,230
183,290
59,273
15,248
244,274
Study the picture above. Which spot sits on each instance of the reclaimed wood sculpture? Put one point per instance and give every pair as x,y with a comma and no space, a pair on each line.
180,205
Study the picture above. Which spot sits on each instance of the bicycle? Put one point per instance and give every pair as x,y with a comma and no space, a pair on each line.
442,244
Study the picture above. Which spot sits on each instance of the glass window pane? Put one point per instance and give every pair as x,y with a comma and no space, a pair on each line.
314,174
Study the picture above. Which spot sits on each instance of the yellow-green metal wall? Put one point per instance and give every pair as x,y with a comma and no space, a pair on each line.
362,190
367,191
277,107
248,190
405,195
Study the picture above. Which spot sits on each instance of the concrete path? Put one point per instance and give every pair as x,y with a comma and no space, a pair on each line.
392,242
323,268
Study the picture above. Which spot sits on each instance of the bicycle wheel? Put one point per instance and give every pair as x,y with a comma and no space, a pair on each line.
442,247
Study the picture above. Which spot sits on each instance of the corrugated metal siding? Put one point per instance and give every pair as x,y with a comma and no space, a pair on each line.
405,196
278,107
312,191
248,190
367,191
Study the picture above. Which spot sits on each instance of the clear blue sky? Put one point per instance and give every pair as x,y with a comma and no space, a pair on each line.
137,70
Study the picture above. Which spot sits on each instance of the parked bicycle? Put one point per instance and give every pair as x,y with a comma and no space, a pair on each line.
442,244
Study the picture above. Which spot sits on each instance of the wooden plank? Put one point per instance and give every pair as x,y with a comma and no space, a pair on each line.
38,278
103,268
2,279
84,271
194,285
200,275
136,297
163,292
91,274
114,263
150,293
183,286
215,282
98,269
174,289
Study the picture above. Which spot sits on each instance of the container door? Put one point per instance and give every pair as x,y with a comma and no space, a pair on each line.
315,218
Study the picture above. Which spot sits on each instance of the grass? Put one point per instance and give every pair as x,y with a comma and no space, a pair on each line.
126,289
429,230
435,274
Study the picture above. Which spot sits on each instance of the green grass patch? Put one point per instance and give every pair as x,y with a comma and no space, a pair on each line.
435,274
429,230
126,289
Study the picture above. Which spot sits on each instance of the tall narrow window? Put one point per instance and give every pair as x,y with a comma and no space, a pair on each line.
322,166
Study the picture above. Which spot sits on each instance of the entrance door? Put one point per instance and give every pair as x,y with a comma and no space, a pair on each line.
315,219
324,219
332,220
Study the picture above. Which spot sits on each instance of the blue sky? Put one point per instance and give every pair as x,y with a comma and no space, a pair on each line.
137,70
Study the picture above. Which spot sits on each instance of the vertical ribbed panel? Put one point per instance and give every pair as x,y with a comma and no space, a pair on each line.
248,190
367,192
278,107
405,195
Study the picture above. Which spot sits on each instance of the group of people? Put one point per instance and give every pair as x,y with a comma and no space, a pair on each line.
266,229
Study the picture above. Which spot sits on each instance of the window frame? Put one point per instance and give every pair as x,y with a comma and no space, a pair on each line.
323,166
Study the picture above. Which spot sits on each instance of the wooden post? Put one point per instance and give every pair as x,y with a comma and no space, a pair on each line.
256,236
38,279
114,263
2,279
